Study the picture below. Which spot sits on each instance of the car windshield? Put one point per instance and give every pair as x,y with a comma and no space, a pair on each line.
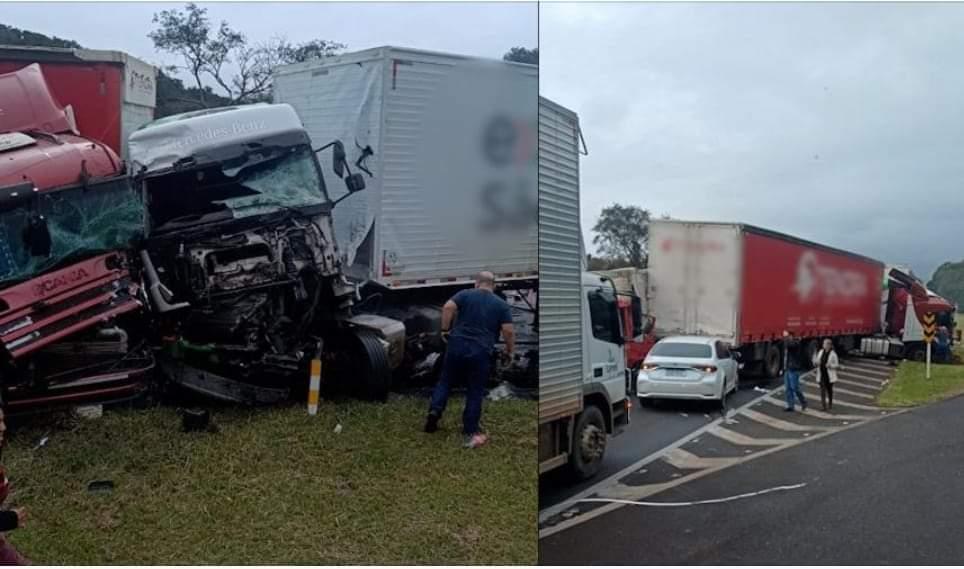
261,182
681,350
83,221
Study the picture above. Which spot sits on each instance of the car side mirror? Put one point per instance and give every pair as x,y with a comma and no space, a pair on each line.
338,158
36,237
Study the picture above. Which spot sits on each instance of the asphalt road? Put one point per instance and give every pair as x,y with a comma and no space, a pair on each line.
650,429
886,492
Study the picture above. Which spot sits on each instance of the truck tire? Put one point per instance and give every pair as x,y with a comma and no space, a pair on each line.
771,362
588,444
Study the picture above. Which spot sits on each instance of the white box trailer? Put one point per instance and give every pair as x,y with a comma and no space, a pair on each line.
453,138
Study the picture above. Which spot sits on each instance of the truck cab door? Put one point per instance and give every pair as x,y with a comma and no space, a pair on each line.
605,341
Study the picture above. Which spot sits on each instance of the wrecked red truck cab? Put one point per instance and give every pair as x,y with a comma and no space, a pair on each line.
68,302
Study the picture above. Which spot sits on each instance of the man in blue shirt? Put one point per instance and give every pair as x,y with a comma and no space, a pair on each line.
479,317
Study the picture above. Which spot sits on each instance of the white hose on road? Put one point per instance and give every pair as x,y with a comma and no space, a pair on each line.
697,503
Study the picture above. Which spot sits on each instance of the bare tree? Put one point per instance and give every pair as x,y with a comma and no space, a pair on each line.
212,54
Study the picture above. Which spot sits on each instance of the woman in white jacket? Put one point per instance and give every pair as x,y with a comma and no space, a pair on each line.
827,363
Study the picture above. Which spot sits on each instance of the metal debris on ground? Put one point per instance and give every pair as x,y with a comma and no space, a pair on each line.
101,487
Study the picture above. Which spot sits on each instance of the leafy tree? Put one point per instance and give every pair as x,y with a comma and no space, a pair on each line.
948,281
522,55
208,53
622,232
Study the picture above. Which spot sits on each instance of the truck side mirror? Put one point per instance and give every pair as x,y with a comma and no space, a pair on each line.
338,159
36,237
355,183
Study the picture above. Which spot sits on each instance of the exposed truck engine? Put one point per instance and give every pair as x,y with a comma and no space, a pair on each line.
241,261
70,306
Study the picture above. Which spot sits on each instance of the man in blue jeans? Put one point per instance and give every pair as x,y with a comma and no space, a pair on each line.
793,366
479,317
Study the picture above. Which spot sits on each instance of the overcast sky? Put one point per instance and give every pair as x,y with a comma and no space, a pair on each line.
480,29
840,123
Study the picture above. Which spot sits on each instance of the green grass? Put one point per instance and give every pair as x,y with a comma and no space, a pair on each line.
910,386
280,487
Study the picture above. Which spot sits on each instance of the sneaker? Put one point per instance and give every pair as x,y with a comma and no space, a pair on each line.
431,423
788,409
475,441
803,406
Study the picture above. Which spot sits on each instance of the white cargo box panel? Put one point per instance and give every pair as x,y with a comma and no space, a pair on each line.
695,272
454,164
560,264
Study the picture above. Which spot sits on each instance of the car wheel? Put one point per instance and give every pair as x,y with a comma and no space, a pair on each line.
589,444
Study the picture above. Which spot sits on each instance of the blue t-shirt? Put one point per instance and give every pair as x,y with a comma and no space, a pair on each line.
480,317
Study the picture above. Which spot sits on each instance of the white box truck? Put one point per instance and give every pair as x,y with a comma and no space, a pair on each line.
450,148
583,382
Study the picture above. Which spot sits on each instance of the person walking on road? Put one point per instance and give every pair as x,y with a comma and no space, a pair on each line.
827,363
793,365
479,317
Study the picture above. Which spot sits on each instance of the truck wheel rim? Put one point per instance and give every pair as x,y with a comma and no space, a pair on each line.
592,443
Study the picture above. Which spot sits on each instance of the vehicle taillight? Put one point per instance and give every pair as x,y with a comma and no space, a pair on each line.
707,369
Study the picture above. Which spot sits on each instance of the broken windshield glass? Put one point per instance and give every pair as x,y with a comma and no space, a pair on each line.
260,183
83,221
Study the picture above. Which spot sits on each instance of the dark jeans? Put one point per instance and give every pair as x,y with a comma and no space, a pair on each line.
791,382
471,362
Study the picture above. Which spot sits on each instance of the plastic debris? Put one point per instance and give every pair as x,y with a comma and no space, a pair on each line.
338,429
90,411
41,443
760,389
500,392
684,415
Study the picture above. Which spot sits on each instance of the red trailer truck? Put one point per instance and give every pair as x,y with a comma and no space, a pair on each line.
747,285
108,94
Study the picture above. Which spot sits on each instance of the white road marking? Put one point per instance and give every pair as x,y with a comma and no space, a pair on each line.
779,424
818,414
844,391
647,490
858,384
698,502
742,440
684,460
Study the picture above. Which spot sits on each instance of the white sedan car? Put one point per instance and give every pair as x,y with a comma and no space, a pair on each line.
688,367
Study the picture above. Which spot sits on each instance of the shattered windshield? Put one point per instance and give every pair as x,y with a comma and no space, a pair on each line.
82,221
258,183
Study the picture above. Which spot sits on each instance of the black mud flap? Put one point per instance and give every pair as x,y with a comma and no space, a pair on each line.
219,387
